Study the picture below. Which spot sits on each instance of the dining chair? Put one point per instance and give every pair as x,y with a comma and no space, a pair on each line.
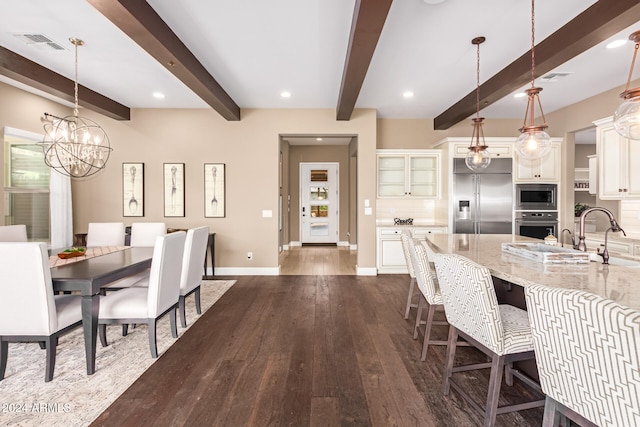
405,237
195,249
588,356
29,311
500,331
105,234
145,233
147,304
13,233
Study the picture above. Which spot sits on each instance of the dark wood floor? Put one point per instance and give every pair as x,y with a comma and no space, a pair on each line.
304,351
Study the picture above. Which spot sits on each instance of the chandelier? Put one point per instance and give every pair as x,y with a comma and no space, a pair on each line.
478,157
534,142
626,120
75,146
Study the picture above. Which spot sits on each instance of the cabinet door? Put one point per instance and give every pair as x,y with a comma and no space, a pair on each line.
392,176
632,170
526,170
423,176
610,161
550,165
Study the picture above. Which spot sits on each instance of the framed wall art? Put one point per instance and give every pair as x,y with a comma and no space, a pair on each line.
132,189
173,189
214,190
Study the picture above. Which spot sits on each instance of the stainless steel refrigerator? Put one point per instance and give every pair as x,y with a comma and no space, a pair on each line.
483,200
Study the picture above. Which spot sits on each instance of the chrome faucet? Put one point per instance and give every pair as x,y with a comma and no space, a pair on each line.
573,240
581,246
605,253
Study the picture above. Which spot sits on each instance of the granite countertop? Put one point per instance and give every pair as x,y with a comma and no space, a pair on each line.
614,282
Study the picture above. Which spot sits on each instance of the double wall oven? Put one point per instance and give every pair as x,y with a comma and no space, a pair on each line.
536,210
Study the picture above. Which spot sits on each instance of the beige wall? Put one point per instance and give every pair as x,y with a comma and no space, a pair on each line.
249,148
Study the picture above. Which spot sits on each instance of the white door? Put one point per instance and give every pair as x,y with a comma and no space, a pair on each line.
319,205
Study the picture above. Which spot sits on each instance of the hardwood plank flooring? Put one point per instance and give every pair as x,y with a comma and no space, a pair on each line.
306,351
318,260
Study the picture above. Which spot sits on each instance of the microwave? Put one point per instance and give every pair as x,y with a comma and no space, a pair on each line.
536,197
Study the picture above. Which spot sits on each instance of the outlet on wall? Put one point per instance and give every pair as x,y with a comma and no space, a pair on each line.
249,255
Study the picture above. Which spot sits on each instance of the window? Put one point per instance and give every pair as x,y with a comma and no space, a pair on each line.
26,191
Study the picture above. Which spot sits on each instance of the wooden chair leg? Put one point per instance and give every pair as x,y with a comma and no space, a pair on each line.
508,374
450,356
152,338
51,343
421,303
493,394
174,323
198,305
181,309
412,285
102,332
427,331
4,354
551,414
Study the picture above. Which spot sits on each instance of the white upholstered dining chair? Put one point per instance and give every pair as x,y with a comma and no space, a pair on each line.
146,304
29,311
105,234
13,233
500,331
195,249
588,356
405,237
145,233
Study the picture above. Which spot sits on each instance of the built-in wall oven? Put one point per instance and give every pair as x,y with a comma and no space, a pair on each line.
536,224
536,197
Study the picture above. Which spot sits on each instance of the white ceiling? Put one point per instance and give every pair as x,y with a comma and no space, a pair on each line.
257,49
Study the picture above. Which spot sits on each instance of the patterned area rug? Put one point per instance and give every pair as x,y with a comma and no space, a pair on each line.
73,398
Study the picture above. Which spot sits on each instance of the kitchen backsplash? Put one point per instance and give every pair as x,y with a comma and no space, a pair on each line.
630,216
421,210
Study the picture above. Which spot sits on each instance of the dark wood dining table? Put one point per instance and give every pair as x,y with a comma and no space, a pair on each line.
88,276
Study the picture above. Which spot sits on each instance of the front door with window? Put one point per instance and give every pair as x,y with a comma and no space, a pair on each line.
319,205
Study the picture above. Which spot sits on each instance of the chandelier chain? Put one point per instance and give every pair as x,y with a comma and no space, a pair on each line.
478,81
633,62
75,87
533,44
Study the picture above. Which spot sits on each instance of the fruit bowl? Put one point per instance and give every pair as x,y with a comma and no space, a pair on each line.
72,252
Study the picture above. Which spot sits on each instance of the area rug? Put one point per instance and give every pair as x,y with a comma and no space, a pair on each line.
74,398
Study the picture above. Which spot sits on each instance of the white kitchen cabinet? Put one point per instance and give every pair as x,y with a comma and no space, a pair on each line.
593,174
409,174
594,243
546,169
495,148
617,177
390,256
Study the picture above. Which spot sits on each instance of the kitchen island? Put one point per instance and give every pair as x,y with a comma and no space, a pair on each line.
618,283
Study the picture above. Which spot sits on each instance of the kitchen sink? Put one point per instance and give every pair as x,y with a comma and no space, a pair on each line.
547,254
614,260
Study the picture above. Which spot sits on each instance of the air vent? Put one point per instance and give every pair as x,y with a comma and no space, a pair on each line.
39,41
554,77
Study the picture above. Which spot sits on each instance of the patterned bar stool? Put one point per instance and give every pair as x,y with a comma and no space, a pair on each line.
405,237
588,356
429,295
502,331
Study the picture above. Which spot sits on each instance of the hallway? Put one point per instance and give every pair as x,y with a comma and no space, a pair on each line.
321,260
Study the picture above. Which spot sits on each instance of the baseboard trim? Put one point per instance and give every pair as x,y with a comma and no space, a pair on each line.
366,271
247,271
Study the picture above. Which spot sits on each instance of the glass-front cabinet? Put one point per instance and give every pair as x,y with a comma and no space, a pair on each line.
408,173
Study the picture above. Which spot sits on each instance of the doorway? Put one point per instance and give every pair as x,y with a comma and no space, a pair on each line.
319,203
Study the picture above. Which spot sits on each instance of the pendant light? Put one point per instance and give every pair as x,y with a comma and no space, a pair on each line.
626,120
534,142
75,146
478,157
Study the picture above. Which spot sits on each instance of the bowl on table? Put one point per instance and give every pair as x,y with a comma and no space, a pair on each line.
72,252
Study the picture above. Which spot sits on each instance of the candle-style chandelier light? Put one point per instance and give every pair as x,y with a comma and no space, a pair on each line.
478,156
534,142
75,146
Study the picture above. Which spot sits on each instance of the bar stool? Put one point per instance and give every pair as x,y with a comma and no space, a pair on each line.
502,331
588,356
405,237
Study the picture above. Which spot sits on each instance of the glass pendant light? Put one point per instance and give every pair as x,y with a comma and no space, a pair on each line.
626,120
534,142
478,156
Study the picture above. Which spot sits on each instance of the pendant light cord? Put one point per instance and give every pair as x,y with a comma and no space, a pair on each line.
478,81
75,109
533,45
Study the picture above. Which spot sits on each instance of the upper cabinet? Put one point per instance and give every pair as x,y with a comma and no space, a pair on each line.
411,173
546,169
617,178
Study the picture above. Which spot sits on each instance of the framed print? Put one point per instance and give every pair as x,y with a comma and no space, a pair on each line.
173,189
214,190
133,189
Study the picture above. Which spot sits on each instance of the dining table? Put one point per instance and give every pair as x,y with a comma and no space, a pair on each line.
88,275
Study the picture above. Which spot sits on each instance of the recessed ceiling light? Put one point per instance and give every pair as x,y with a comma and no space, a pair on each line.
519,95
408,94
433,1
616,43
318,139
159,95
285,94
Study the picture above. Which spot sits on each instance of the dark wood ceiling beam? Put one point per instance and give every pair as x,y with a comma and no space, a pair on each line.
602,20
368,19
27,72
142,24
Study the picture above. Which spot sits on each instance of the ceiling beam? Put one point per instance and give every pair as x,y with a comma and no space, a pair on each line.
27,72
142,24
368,19
602,20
